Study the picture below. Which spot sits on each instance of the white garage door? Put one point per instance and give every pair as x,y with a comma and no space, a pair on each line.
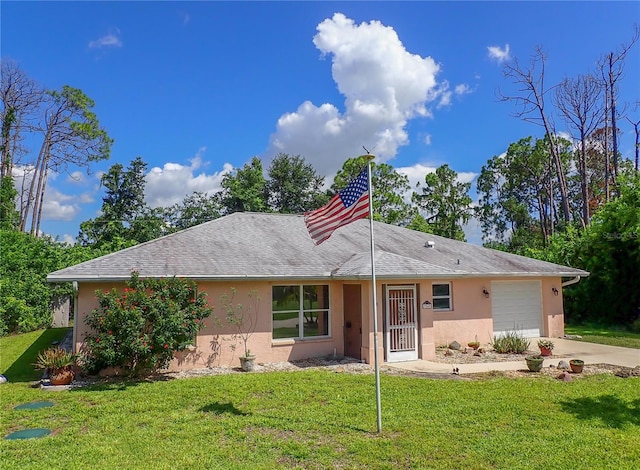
517,306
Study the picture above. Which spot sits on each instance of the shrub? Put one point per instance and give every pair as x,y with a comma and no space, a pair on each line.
56,360
142,328
511,342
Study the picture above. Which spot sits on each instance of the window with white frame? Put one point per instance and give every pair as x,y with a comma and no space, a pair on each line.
441,296
300,311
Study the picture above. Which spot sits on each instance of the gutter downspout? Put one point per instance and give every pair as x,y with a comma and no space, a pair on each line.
75,316
571,281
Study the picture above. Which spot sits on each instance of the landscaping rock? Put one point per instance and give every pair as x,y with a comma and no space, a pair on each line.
572,337
477,353
563,365
3,379
626,372
455,346
565,377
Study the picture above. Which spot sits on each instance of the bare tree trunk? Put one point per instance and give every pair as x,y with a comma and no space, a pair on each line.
637,147
41,202
26,204
42,175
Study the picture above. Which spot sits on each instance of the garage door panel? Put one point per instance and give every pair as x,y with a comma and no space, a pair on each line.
517,305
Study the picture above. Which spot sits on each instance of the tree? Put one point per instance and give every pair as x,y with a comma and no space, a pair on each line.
141,328
21,98
25,294
446,203
611,70
9,216
516,195
126,219
578,102
294,186
72,136
244,189
610,251
193,210
388,187
531,104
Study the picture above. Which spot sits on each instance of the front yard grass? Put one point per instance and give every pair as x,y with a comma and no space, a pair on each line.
19,352
319,419
604,335
322,419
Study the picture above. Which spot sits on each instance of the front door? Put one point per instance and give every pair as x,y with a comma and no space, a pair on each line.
402,324
352,304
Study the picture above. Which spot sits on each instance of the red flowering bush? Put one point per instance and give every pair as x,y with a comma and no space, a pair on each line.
141,328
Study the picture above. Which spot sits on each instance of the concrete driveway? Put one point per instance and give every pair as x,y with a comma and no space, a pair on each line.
565,349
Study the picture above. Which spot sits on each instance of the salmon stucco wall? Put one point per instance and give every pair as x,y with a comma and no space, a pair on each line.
215,345
552,307
470,316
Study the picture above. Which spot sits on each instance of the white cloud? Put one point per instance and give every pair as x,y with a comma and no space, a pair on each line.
427,139
383,84
498,54
463,89
56,205
111,39
173,182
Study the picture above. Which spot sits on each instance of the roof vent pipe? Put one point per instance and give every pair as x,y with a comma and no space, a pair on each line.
430,244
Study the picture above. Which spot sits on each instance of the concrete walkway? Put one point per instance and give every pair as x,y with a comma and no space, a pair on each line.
565,349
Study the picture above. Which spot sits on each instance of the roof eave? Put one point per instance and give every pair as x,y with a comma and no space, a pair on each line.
327,276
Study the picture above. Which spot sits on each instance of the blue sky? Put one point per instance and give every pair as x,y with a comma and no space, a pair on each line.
197,88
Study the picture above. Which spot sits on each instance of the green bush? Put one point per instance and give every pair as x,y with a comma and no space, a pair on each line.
511,342
141,328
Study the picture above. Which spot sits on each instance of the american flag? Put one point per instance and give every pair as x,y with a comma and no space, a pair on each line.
352,203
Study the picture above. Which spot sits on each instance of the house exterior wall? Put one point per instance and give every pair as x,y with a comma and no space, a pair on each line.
215,345
471,313
470,317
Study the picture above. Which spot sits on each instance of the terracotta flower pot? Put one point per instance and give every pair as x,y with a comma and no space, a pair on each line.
576,366
63,377
545,351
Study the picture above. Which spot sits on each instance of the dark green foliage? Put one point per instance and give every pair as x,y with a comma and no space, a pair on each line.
609,248
294,186
193,210
389,186
141,328
126,220
445,204
245,189
25,295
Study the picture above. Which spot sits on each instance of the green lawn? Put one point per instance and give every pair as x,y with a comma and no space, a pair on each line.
19,352
603,335
321,419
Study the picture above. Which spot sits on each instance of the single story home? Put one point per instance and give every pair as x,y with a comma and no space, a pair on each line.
317,300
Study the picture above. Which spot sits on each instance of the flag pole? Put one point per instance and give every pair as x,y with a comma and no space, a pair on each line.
374,299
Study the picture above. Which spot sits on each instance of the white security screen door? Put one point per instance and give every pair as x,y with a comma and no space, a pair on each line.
402,324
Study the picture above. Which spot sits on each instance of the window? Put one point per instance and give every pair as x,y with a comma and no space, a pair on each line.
441,295
300,311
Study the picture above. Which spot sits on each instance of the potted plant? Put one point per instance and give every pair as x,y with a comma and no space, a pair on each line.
243,322
474,344
576,365
546,347
59,364
534,363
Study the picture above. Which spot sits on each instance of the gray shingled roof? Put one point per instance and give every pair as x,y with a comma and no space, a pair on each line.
249,245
